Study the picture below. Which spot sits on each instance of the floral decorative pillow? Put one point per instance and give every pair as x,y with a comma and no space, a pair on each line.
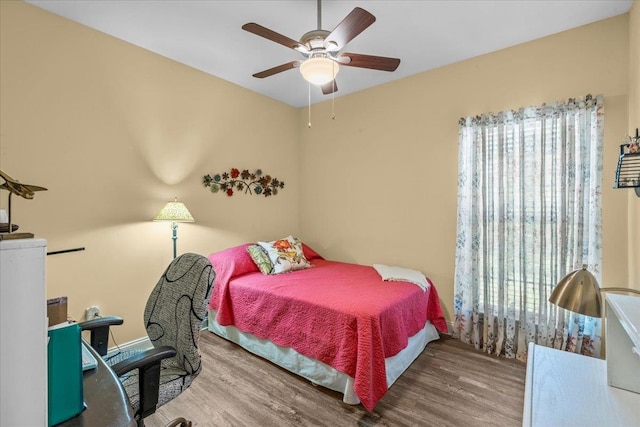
261,258
285,255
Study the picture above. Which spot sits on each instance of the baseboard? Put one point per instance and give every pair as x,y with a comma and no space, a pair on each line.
143,343
449,328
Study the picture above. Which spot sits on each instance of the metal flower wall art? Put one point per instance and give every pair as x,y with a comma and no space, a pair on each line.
243,181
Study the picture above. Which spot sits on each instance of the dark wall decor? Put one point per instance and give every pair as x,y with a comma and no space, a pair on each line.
628,170
245,181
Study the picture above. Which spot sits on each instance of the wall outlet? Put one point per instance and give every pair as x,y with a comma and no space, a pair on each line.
93,312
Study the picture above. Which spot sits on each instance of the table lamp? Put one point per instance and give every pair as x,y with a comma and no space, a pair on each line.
174,212
579,292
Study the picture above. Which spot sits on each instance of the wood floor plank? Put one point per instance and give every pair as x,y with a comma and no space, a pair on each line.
449,384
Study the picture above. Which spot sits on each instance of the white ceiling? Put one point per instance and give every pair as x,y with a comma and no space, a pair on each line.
207,34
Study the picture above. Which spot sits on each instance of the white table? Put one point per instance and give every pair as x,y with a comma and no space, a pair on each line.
568,389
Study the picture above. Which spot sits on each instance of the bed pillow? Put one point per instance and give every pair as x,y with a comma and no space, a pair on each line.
232,262
285,255
260,258
309,253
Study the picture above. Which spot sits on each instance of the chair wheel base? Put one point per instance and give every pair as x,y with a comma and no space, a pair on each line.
179,422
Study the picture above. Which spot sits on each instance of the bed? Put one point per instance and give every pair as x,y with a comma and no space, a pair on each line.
336,324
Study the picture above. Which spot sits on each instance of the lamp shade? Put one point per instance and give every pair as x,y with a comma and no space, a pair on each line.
579,292
175,212
319,70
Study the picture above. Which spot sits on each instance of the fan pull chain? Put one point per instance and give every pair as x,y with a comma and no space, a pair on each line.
333,93
309,105
333,106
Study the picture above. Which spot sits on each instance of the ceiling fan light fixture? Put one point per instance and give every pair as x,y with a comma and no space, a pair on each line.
319,70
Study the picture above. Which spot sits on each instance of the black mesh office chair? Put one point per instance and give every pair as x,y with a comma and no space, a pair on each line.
173,317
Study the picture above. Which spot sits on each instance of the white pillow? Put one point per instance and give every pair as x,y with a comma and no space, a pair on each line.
285,255
400,274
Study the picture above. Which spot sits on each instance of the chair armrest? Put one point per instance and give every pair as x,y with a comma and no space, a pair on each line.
100,322
143,359
100,331
148,365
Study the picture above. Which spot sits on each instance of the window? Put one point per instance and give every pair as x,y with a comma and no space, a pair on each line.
528,213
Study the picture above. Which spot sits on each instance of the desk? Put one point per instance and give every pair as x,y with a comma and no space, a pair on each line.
567,389
623,342
106,400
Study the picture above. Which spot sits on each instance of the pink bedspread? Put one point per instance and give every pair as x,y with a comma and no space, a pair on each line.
341,314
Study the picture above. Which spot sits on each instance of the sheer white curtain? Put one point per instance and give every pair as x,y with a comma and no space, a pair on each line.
529,212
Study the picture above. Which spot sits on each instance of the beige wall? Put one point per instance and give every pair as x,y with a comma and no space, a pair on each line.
114,132
379,182
634,123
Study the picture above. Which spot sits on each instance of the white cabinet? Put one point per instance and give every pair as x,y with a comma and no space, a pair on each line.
23,333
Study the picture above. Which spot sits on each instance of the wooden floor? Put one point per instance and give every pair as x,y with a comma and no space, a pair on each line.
449,384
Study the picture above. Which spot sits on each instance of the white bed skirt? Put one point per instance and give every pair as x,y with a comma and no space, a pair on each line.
318,372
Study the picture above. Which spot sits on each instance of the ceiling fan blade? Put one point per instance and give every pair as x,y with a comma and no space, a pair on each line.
268,34
368,61
278,69
355,23
330,87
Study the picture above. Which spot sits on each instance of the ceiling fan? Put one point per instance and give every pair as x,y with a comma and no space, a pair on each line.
321,49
